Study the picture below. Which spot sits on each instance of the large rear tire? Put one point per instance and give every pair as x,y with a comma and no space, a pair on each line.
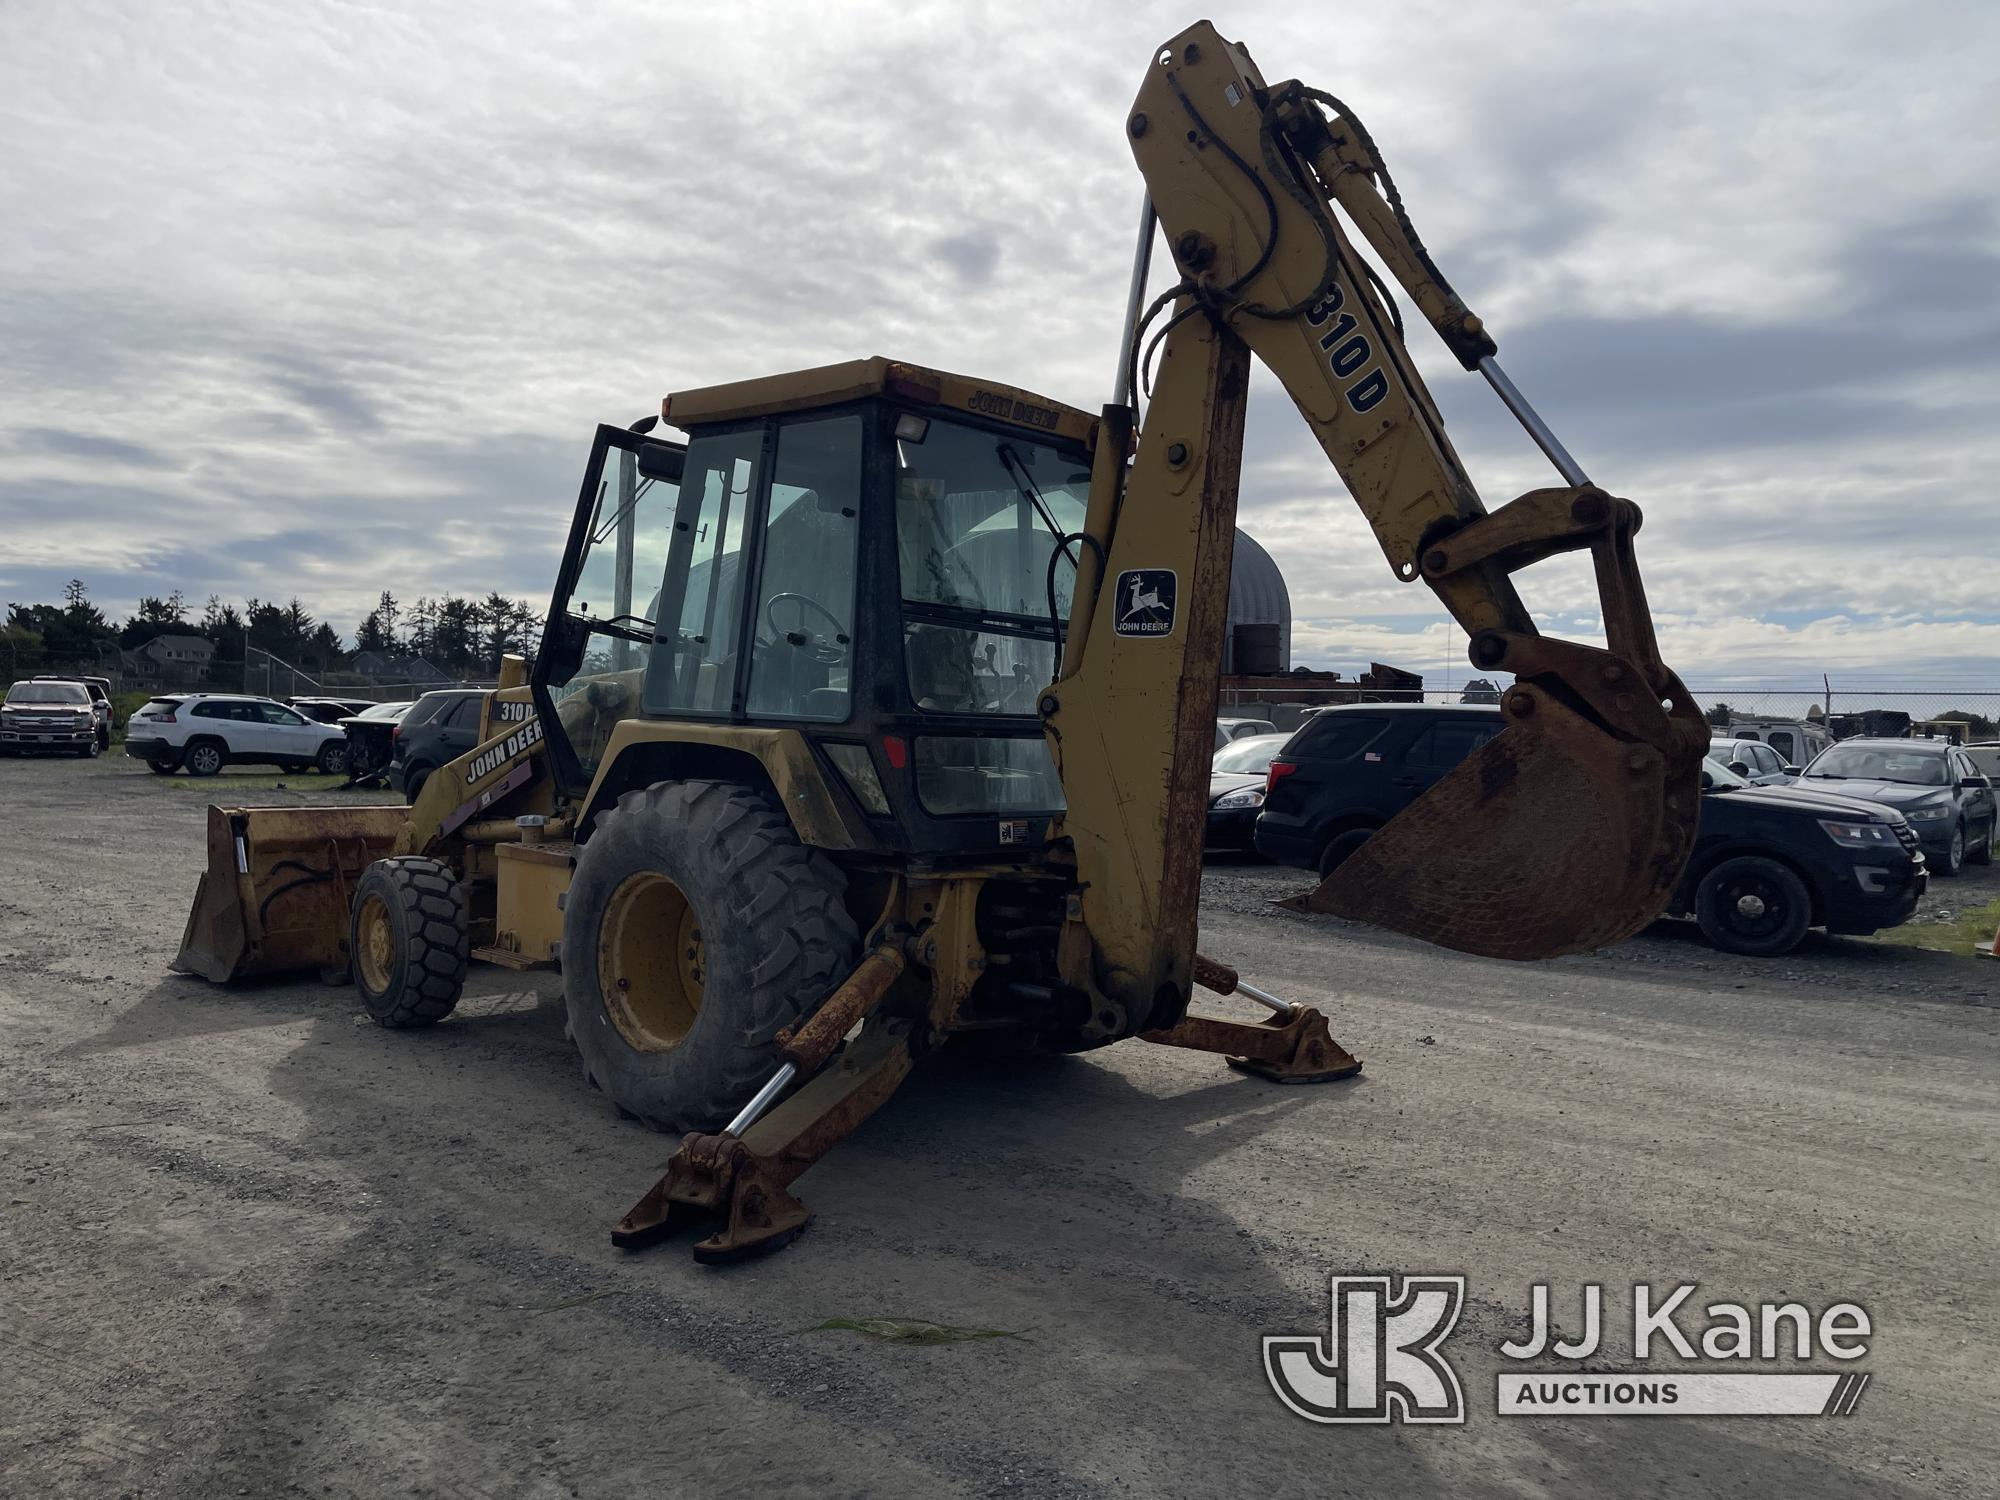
696,928
408,941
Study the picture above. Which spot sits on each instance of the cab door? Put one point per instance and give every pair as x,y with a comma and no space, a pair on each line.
603,621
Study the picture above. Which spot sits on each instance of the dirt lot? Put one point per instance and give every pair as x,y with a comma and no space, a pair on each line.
251,1244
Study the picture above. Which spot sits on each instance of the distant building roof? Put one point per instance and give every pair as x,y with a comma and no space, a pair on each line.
180,643
1257,596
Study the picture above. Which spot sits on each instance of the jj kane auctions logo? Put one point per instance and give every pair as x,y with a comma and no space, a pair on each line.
1381,1359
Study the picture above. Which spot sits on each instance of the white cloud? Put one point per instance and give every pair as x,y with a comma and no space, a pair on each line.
353,286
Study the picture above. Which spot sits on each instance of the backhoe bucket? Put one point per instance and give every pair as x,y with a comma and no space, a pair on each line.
275,896
1554,837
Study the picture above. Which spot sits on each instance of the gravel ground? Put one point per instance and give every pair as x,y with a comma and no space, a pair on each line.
251,1244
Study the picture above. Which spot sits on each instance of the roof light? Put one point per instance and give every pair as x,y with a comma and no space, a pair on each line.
911,428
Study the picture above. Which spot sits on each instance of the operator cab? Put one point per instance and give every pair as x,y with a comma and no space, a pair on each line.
867,554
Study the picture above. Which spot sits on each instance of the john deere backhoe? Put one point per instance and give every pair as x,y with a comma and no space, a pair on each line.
886,701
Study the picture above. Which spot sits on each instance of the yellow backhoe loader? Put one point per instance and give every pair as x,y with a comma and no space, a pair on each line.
879,712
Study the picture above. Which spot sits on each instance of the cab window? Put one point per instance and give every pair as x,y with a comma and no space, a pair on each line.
802,661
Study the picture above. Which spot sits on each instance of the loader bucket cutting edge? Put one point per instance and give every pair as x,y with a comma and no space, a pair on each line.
274,898
1552,838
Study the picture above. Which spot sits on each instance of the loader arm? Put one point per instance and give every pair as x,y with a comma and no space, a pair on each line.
1567,831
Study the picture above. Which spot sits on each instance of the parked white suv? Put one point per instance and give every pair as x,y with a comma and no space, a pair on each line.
203,732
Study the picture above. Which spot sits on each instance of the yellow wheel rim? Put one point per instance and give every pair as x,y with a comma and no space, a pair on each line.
650,966
375,944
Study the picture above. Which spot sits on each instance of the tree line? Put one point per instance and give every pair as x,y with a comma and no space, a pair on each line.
463,635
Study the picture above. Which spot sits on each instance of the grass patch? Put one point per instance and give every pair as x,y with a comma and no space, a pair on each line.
1965,930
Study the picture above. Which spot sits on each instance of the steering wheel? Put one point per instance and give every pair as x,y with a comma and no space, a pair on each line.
824,649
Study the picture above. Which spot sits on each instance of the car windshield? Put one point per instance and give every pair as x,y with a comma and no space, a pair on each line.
1251,756
1880,763
384,711
1720,777
47,692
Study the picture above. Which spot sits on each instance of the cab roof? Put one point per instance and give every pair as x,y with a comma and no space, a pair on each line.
829,385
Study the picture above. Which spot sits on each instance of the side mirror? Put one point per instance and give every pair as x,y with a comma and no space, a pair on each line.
1795,770
1976,783
662,461
1707,781
564,641
1740,768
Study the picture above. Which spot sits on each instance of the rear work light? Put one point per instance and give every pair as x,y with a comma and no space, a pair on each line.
1279,770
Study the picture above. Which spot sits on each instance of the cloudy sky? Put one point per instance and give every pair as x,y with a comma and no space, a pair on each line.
322,298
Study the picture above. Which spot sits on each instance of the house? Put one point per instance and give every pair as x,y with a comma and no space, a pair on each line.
180,659
400,667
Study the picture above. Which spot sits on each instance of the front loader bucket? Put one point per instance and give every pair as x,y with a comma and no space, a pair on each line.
1554,837
275,895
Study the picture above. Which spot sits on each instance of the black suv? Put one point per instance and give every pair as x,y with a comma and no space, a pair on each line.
439,727
1768,862
1349,770
1933,784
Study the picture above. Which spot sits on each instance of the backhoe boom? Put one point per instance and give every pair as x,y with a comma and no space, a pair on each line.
1567,831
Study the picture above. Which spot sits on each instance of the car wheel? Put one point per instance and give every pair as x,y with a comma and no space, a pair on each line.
413,782
1339,847
1953,859
1753,905
92,750
332,758
164,766
204,758
1981,852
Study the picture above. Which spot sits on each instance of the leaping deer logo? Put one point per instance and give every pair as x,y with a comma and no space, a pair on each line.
1149,599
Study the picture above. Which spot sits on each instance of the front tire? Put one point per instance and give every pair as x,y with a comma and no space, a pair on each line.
1981,853
407,937
204,758
696,928
1754,906
332,758
1953,859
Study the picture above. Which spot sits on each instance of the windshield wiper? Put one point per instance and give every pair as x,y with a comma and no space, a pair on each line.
625,627
1025,483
